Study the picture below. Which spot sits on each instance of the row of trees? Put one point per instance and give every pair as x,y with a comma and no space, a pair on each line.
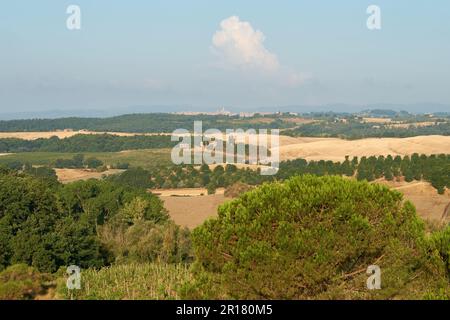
434,168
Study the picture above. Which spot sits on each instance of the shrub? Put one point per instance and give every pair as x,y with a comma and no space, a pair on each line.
314,237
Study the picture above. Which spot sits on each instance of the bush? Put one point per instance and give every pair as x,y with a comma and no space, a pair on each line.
313,238
441,243
20,282
237,189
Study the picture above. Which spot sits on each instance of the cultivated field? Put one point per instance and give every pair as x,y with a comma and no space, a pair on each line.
192,211
71,175
334,149
188,208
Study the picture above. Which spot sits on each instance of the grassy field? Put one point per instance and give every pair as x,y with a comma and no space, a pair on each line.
151,281
142,158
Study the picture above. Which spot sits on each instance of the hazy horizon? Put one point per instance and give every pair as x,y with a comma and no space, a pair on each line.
251,56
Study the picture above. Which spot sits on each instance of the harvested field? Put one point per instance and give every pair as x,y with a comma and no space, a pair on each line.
72,175
184,192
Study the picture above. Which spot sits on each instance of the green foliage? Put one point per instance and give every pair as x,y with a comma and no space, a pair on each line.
211,188
310,238
87,143
356,129
121,165
93,163
78,161
147,158
434,168
145,241
151,122
21,282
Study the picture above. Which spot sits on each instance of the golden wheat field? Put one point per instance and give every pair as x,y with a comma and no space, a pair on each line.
336,149
71,175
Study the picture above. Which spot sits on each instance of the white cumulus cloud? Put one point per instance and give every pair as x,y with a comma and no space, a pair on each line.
241,45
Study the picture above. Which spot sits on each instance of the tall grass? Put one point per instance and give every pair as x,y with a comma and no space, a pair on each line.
151,281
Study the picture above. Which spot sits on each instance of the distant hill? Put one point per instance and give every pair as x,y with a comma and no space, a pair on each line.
418,108
149,122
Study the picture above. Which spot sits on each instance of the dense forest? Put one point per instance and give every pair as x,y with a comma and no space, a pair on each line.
434,169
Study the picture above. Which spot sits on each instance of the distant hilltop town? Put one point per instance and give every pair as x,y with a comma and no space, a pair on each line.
223,112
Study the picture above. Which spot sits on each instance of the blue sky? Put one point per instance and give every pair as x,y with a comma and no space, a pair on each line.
265,53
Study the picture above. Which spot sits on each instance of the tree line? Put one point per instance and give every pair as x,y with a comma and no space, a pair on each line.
87,143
